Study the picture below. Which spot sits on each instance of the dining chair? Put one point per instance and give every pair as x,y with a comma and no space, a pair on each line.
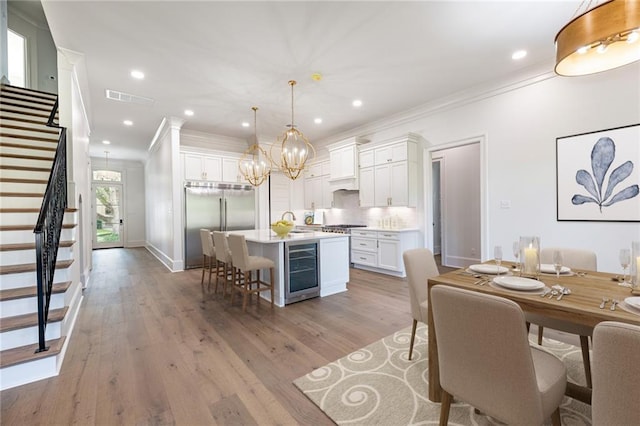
208,257
243,268
485,359
574,259
420,266
224,270
616,374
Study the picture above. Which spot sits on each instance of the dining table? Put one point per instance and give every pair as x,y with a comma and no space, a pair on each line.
581,306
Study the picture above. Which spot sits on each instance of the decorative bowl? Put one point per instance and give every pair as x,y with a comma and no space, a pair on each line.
282,228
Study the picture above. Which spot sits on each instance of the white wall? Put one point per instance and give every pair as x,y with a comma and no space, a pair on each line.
133,197
163,199
521,125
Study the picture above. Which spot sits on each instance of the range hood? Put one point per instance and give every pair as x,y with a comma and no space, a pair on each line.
346,184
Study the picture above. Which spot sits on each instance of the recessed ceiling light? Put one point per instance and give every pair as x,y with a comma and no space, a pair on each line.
188,112
127,123
519,54
137,74
245,124
106,142
317,120
357,103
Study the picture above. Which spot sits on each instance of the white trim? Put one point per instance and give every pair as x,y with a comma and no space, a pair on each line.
159,132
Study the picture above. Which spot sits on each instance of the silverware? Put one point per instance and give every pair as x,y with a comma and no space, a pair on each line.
614,302
545,292
604,302
563,292
553,294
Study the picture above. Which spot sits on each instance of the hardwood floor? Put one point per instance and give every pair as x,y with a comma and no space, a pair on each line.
148,350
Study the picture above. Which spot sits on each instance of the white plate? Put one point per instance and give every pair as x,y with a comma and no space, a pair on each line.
487,268
518,283
634,302
548,268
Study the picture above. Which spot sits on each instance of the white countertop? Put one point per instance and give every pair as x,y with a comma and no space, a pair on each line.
268,236
374,228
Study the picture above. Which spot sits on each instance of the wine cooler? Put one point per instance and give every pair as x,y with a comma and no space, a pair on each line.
302,277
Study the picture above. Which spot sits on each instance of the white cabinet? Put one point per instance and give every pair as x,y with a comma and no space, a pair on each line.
381,251
317,192
202,167
211,168
343,160
389,174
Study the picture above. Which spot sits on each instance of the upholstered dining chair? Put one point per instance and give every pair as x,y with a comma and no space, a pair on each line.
224,270
574,259
485,359
208,257
243,268
420,266
616,374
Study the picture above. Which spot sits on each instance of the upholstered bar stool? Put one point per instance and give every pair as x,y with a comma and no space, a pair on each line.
224,269
243,268
208,257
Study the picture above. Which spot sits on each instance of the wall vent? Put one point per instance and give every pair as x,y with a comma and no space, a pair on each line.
126,97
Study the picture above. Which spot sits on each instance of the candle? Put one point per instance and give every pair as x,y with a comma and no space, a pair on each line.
530,260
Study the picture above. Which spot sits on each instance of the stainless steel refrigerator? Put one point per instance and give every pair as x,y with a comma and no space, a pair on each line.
218,207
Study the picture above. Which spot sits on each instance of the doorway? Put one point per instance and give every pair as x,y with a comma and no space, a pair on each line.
108,221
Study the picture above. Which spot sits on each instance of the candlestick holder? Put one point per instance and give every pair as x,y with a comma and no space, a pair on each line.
530,257
635,265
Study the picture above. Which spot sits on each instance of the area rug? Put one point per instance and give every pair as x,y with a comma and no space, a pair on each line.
378,385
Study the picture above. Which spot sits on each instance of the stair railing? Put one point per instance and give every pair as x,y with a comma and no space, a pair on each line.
48,229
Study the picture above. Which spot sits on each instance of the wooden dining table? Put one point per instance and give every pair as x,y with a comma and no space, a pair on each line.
582,306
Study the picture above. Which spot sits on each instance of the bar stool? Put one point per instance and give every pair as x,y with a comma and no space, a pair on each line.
243,267
208,257
224,269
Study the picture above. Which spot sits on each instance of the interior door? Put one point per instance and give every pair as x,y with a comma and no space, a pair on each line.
108,210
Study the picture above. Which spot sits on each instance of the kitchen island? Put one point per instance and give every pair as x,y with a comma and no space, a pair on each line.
332,259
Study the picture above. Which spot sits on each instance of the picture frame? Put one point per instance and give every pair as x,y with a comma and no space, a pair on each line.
598,175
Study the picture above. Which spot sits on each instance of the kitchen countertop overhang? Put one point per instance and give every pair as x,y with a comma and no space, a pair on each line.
268,236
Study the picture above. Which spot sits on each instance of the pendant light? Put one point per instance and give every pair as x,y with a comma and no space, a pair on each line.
295,148
255,165
600,39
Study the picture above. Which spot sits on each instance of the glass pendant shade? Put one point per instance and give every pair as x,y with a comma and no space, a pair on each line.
600,39
255,165
295,148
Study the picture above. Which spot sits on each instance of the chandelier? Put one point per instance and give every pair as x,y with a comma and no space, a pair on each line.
295,148
600,39
255,164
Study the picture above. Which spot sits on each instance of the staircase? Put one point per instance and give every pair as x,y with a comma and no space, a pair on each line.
27,148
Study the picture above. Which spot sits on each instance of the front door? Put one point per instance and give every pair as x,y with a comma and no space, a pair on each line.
107,225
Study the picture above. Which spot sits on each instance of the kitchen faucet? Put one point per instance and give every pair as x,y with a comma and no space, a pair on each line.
293,216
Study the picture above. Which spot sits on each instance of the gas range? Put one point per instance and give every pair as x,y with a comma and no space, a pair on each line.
340,229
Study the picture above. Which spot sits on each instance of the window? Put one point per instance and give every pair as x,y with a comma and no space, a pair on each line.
107,176
17,59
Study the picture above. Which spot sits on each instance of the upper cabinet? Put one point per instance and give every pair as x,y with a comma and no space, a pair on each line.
317,194
389,174
343,159
211,168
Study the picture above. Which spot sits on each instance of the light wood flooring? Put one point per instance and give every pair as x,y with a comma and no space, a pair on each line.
148,350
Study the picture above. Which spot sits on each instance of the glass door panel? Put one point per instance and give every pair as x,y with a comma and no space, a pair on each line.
108,216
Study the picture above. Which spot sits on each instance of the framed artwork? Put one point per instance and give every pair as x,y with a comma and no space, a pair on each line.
598,176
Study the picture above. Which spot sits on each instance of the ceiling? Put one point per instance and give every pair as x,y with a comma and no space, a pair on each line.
221,58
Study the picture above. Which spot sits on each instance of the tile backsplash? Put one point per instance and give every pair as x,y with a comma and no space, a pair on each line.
348,211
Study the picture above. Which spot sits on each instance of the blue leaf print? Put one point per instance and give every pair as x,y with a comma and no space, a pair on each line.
602,156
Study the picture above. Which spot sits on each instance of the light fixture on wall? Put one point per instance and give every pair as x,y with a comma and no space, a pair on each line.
600,39
255,164
295,148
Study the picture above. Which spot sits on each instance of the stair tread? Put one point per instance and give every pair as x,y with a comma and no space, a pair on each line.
21,194
26,111
32,99
31,267
26,146
28,353
47,130
26,157
32,210
30,227
25,168
31,291
52,139
29,320
30,246
18,180
23,120
23,90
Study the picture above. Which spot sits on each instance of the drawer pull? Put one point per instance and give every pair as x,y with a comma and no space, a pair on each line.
362,244
363,258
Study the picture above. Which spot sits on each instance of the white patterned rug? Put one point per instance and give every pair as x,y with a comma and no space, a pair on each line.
377,385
